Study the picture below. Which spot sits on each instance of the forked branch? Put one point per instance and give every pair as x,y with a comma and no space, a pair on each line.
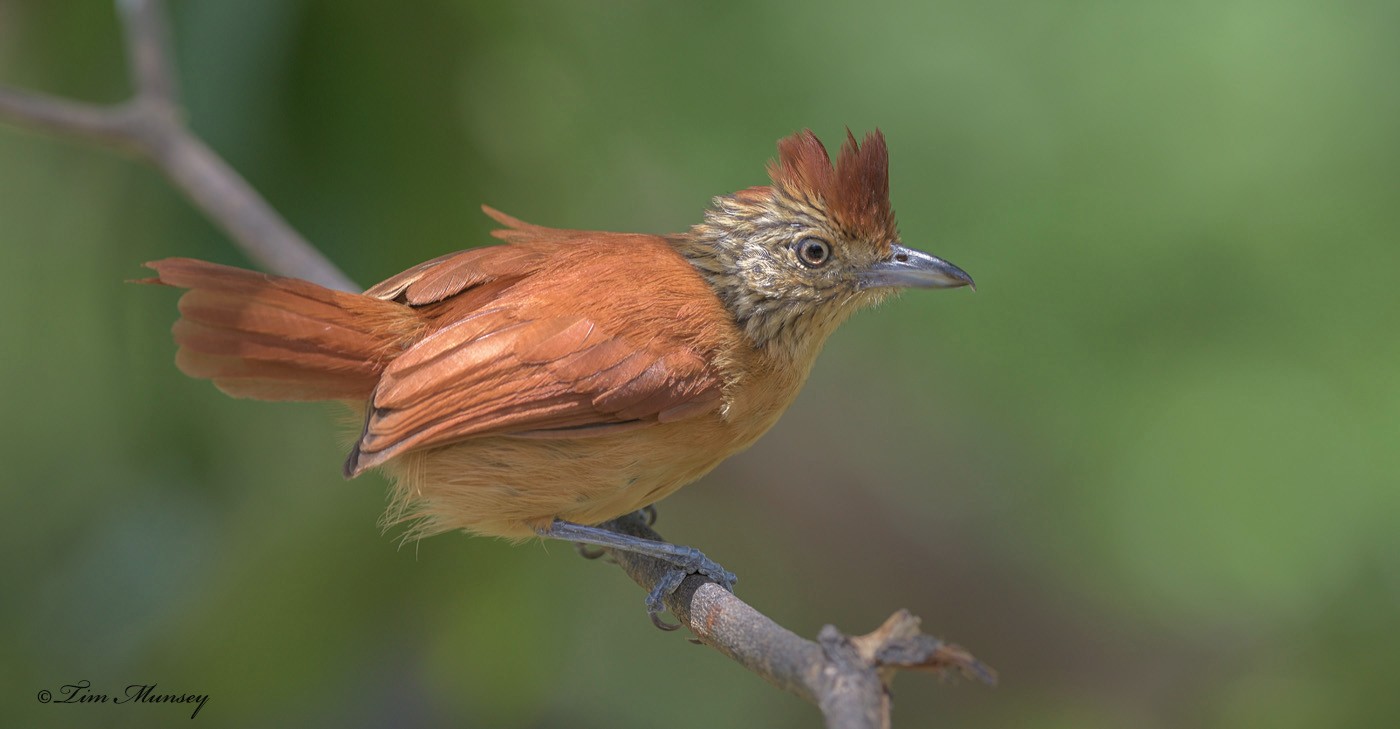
151,124
846,677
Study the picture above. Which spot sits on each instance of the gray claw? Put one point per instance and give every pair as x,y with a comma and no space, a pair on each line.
588,552
656,599
662,624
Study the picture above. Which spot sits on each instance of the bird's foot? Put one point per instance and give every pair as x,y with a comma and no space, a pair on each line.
692,561
685,560
688,561
656,599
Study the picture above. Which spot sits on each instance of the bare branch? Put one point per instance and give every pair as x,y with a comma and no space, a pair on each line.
148,53
227,198
847,678
150,125
108,125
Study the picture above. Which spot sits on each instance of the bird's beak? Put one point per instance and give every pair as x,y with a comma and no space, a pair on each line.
908,268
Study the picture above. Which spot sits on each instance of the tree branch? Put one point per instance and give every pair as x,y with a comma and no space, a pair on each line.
846,677
148,50
151,125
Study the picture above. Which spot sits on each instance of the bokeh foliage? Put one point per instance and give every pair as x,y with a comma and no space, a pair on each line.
1148,470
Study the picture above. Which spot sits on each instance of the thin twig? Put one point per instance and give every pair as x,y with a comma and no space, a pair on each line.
148,55
110,125
846,677
151,125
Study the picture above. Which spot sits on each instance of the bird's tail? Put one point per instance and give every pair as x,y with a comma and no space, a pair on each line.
272,338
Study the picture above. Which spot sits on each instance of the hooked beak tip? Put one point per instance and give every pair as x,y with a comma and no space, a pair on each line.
908,268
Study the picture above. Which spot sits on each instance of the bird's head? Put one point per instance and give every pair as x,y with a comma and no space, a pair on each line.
793,259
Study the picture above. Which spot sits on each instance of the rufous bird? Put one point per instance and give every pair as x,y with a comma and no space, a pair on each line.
569,377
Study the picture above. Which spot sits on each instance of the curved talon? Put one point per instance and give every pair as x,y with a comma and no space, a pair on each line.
588,552
656,599
648,513
662,624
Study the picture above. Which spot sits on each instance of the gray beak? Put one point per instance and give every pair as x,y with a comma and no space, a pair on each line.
908,268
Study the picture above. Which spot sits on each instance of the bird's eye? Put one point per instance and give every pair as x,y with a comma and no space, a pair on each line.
813,252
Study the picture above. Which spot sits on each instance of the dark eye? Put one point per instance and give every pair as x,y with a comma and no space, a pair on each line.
813,252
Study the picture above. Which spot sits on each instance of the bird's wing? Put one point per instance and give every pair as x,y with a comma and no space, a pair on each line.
499,372
449,275
446,276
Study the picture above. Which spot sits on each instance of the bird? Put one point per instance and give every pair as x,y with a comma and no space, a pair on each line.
545,385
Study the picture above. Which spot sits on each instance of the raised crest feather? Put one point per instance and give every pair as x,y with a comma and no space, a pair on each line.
855,191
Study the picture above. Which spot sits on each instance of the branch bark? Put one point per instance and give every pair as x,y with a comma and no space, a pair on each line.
846,677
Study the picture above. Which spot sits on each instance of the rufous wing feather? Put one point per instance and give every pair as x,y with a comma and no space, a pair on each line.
449,275
499,372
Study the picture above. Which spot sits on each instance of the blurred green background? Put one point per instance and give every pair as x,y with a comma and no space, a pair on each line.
1147,471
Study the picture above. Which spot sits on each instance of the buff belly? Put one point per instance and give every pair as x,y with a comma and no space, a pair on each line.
509,487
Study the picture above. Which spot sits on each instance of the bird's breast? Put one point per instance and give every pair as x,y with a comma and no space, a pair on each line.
508,487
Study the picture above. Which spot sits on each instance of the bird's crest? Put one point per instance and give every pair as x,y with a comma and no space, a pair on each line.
856,191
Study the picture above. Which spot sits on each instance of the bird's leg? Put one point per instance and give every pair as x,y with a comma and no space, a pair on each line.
646,514
687,560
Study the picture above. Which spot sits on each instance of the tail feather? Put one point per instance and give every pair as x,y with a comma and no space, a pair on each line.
272,338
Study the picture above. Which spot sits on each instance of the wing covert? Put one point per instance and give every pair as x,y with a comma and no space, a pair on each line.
496,372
